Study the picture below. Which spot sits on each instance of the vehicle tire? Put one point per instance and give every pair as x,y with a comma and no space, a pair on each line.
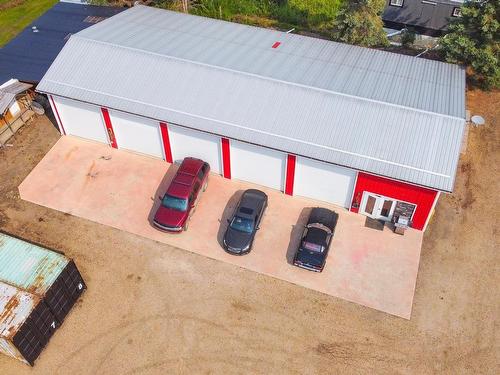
205,186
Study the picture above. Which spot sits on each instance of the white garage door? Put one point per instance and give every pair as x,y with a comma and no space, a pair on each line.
186,142
256,164
137,133
81,119
325,182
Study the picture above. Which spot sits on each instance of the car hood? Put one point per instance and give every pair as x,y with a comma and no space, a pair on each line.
237,240
309,257
170,218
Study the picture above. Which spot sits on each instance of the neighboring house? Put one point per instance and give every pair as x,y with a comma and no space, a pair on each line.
371,131
428,17
28,56
15,103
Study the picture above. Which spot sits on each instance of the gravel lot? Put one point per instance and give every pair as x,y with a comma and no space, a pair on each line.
154,309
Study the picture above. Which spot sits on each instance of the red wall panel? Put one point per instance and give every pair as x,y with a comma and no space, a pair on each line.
422,197
290,174
166,142
226,158
109,127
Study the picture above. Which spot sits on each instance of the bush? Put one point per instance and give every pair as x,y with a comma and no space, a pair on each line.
408,37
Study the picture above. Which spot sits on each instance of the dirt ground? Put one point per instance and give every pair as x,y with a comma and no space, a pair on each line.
154,309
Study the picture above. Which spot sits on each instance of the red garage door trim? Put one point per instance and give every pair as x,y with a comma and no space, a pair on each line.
61,127
424,198
166,142
226,158
290,174
109,128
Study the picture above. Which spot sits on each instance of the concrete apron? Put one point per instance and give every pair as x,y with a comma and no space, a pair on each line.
120,189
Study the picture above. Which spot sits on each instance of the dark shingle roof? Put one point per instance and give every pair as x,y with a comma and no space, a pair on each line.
432,16
28,56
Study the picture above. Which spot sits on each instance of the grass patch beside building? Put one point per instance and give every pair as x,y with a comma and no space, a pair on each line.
309,15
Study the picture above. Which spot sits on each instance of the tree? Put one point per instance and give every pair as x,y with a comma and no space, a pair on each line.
408,37
473,40
360,22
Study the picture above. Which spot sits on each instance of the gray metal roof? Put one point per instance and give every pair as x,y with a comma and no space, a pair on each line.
8,92
6,99
375,111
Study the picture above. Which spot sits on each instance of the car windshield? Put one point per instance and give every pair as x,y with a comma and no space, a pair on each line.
178,204
242,224
312,247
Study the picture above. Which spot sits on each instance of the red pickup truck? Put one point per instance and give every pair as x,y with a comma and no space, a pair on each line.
179,202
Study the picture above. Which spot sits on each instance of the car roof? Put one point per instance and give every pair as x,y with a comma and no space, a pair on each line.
190,165
181,185
179,190
316,235
251,199
323,216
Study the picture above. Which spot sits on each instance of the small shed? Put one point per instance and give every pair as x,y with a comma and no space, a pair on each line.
38,288
15,107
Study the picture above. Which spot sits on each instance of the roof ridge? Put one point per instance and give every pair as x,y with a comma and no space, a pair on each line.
76,36
270,30
291,35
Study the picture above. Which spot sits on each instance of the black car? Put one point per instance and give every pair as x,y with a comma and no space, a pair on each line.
316,240
245,222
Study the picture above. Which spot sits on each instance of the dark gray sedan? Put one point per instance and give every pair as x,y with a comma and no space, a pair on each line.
244,223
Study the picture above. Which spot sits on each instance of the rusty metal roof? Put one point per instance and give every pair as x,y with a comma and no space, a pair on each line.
27,266
15,307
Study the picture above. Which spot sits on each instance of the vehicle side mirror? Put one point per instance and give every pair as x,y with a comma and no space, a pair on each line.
257,228
228,221
160,197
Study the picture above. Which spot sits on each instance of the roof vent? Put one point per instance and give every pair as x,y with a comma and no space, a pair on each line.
93,19
276,45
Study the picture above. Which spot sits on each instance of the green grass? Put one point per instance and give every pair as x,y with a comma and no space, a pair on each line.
14,19
313,15
310,15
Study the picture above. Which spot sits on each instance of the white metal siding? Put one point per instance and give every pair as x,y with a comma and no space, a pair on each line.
186,142
81,119
325,182
259,165
137,134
